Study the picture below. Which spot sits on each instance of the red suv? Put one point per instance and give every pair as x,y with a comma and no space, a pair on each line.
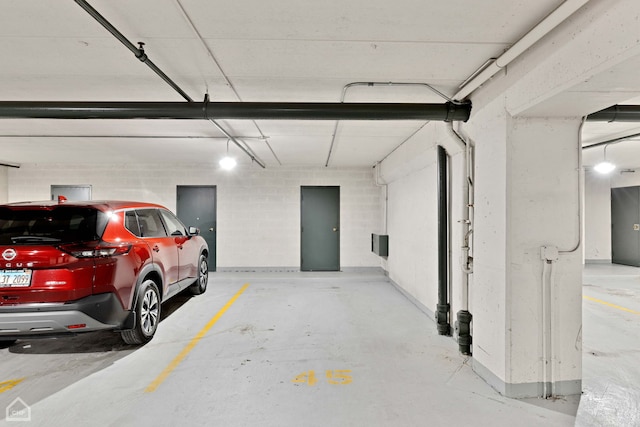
71,267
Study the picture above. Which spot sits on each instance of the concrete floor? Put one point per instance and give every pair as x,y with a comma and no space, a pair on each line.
611,346
308,349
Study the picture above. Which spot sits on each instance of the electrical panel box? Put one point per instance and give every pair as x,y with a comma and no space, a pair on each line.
380,244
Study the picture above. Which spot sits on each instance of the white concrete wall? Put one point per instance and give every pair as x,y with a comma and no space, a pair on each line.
258,209
413,234
597,217
411,174
544,209
626,179
490,256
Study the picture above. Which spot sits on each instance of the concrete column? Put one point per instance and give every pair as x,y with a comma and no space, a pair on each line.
526,300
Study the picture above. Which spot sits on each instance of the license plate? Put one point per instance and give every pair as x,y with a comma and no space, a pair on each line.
15,278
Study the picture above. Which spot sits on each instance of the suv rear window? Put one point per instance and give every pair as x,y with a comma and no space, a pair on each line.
61,224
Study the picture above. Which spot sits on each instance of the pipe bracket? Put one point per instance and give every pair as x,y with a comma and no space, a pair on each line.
140,54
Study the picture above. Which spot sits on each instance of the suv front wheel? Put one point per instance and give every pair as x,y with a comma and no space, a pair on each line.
200,285
147,315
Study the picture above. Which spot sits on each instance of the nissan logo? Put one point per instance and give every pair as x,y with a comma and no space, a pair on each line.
9,254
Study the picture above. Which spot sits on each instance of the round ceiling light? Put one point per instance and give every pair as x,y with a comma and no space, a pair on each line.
604,167
228,163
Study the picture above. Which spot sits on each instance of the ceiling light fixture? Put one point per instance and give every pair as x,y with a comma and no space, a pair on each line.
605,166
227,162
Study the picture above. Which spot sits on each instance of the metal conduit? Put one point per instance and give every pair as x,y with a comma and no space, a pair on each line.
142,56
234,110
138,52
228,82
372,84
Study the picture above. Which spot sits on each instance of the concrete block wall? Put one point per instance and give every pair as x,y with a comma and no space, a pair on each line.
258,216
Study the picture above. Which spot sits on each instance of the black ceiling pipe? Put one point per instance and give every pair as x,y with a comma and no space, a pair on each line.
234,110
616,113
610,141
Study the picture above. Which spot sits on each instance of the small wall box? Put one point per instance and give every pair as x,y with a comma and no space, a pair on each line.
380,244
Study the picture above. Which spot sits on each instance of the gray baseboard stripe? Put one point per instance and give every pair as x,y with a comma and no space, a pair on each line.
258,269
363,270
524,390
413,300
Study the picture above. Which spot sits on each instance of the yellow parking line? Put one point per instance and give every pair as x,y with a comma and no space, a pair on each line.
8,385
599,301
175,362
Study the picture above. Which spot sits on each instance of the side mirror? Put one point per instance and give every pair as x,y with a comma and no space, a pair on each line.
194,231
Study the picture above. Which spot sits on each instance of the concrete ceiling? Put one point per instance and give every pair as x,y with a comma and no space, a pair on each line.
280,51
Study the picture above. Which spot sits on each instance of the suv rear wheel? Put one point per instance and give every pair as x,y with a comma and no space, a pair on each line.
147,315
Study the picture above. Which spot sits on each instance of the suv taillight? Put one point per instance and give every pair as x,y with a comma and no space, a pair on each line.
100,249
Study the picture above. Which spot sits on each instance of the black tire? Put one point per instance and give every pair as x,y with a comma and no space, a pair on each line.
147,315
7,343
200,285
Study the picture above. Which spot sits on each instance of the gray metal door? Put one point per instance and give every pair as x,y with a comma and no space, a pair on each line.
320,228
625,226
71,192
196,206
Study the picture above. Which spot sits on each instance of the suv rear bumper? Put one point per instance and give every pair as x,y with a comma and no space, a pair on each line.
95,312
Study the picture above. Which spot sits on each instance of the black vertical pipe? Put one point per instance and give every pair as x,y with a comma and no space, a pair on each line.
442,312
463,325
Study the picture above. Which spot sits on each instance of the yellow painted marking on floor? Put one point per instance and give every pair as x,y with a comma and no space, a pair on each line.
175,362
599,301
8,385
337,377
